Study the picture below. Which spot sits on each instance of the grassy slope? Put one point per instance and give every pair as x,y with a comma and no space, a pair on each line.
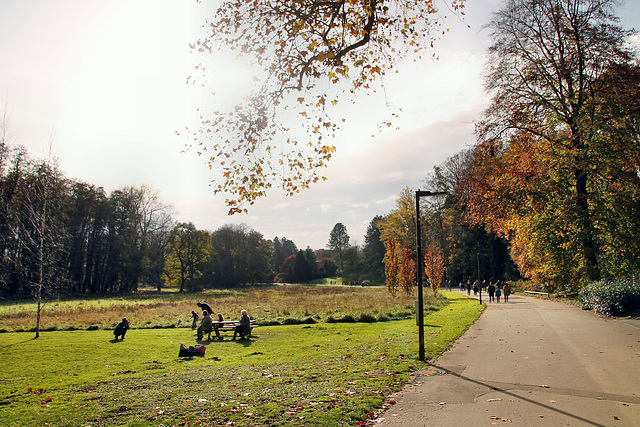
321,374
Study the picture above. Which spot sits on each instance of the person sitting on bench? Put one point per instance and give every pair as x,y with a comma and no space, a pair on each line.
218,324
243,328
205,326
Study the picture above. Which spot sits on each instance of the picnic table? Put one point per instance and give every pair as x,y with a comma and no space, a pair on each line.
229,325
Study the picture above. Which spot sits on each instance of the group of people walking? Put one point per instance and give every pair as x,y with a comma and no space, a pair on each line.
208,325
495,290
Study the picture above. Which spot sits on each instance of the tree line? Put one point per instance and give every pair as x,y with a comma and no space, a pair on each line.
64,236
72,236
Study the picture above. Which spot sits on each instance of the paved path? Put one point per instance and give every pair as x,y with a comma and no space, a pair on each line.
529,362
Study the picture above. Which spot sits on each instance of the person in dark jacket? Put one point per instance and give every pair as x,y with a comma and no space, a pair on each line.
506,290
218,324
121,328
205,307
205,326
492,291
243,328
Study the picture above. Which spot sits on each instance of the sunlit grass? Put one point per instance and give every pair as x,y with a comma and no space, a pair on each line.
314,375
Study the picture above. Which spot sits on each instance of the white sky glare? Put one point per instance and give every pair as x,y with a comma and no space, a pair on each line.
108,79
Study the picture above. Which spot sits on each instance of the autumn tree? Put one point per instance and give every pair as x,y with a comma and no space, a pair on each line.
400,223
444,225
407,271
190,250
391,266
560,134
304,54
434,266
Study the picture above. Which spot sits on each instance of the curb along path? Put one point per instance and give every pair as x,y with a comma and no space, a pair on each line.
529,362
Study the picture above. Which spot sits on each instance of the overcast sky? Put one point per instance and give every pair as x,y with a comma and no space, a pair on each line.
105,80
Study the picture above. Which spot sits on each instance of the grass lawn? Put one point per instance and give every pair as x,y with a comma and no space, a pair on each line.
288,375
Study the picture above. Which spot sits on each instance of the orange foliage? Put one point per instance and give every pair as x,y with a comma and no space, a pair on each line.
302,51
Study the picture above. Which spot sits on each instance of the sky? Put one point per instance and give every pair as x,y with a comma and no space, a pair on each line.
103,83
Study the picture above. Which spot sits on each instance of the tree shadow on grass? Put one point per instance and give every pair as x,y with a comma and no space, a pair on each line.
8,346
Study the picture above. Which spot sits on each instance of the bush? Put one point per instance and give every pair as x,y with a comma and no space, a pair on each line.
367,318
611,297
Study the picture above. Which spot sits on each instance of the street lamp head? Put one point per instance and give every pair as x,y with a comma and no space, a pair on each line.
423,193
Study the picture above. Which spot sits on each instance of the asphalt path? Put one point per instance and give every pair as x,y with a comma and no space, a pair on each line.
527,362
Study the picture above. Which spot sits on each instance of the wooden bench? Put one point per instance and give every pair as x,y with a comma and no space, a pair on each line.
537,293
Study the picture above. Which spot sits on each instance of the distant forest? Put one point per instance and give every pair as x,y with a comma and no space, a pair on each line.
72,237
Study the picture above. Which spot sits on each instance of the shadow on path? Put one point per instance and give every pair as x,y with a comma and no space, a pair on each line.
520,397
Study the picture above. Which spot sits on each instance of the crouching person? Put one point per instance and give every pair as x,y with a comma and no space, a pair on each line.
205,326
121,328
243,328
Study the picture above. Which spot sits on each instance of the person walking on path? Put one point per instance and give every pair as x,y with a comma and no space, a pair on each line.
498,293
492,291
507,291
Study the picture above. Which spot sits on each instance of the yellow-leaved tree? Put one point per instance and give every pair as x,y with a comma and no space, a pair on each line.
434,266
306,56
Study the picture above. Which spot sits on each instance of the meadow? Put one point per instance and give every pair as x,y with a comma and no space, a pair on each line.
312,374
269,304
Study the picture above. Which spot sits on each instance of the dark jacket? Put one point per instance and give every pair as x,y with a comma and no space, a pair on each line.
121,328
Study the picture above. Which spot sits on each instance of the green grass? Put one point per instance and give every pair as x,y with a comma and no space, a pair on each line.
333,280
318,374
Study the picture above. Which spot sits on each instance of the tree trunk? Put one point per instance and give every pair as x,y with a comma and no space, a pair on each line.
586,225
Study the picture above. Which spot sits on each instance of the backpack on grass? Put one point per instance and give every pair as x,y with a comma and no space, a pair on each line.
191,351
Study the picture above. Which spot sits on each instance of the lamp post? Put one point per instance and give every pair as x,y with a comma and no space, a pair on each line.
479,282
420,309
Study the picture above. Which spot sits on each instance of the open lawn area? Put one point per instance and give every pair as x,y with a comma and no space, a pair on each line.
286,375
268,304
